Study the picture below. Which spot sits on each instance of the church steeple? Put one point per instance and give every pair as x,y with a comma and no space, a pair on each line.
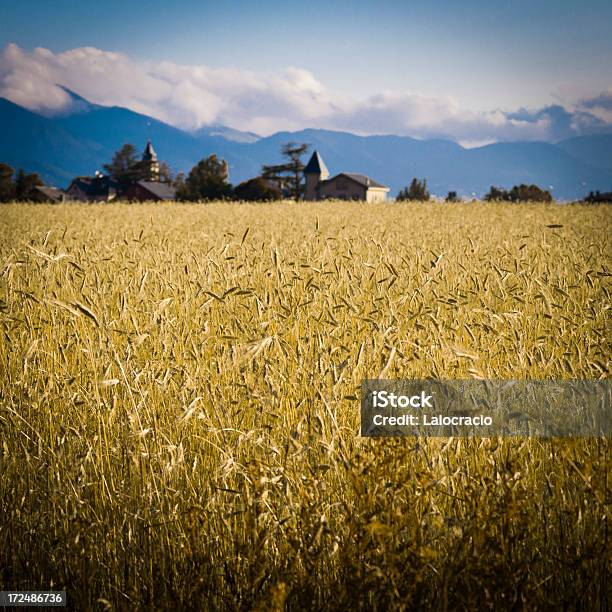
314,172
150,162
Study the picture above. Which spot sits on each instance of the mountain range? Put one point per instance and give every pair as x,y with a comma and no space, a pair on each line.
85,136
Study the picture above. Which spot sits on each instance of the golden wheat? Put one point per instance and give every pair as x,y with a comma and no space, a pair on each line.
179,405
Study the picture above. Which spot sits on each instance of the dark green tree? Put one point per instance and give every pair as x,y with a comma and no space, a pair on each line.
24,185
257,189
206,181
165,175
290,175
519,193
178,182
125,166
529,193
596,197
7,187
496,194
417,191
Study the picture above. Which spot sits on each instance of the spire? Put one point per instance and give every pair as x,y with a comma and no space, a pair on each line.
150,163
149,153
316,165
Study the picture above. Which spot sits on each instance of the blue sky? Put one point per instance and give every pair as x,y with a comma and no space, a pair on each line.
480,55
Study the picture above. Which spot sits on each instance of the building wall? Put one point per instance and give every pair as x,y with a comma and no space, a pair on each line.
152,170
312,180
137,192
343,188
76,193
376,195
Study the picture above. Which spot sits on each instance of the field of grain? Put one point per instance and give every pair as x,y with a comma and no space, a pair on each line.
179,417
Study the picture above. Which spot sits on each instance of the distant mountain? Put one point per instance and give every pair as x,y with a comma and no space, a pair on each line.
112,127
63,146
42,145
594,150
80,140
227,133
77,105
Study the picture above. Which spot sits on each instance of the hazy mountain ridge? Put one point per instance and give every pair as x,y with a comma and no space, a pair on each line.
595,150
80,142
227,133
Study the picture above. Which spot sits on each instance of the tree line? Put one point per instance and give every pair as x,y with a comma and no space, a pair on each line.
17,186
209,180
418,191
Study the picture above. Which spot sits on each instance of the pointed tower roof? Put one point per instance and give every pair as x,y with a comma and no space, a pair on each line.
316,165
149,153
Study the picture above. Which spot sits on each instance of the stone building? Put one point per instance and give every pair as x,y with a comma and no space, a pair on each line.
343,186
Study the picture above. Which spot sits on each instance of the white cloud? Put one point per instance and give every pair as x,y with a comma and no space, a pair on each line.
426,117
189,96
600,105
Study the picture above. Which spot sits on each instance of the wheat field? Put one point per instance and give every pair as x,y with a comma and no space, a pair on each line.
179,413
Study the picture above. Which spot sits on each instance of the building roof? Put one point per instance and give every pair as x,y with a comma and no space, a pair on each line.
362,179
95,186
316,165
149,153
51,193
163,191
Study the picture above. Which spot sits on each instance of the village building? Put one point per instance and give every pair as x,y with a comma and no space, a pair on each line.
151,188
96,188
343,186
52,195
101,188
150,163
150,191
